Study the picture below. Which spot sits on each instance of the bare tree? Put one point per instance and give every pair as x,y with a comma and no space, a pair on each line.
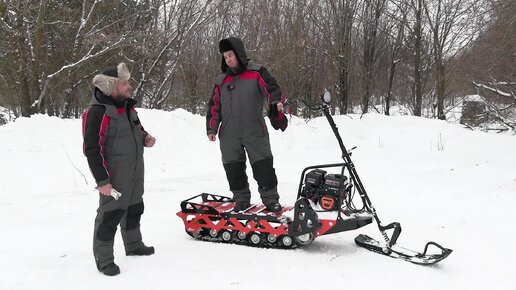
334,20
418,47
164,44
448,21
387,49
487,67
371,13
52,42
395,48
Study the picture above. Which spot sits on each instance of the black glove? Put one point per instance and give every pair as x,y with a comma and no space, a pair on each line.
277,118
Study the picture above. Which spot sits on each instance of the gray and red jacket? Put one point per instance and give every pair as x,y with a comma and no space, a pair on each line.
113,143
235,107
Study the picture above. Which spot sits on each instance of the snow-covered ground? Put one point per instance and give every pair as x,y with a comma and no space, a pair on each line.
440,181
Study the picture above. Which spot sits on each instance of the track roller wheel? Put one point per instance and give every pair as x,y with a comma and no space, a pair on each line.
271,238
193,234
226,236
287,241
214,233
305,239
255,239
241,235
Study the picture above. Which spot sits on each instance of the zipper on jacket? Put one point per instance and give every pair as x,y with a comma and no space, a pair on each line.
128,115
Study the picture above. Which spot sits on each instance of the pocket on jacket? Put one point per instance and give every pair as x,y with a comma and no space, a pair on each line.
110,139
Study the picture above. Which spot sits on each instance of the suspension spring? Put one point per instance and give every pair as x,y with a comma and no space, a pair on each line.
386,237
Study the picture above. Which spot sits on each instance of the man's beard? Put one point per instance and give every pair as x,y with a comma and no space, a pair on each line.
121,97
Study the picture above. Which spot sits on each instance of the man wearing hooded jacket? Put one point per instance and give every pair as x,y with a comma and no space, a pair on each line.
235,113
113,144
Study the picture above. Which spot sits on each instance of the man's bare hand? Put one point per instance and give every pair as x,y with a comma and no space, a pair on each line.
280,106
212,137
105,189
149,140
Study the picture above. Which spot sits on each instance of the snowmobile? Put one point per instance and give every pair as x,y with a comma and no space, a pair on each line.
325,205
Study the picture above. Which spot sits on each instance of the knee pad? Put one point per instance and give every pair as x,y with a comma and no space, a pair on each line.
110,220
264,174
235,173
134,213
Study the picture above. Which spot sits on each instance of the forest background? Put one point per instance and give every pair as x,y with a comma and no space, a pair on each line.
424,56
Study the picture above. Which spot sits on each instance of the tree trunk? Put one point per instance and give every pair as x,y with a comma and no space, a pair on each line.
440,83
389,89
373,12
418,97
343,85
20,53
39,48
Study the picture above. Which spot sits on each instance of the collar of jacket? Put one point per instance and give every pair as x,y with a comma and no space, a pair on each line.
108,100
236,71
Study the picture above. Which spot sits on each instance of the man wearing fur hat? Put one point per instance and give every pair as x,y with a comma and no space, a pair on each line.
236,106
113,144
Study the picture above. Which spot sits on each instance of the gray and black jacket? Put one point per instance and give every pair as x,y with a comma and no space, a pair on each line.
237,100
113,143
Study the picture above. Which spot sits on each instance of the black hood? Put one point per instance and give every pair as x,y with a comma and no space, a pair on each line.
235,44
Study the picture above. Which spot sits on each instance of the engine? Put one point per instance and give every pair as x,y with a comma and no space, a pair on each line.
327,190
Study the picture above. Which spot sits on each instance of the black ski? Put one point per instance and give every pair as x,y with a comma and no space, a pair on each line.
398,252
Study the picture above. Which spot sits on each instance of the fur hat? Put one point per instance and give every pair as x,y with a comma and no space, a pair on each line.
237,46
108,79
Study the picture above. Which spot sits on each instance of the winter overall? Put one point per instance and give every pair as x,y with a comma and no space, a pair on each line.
113,143
236,106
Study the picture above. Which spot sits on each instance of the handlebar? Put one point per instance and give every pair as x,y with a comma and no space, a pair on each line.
314,107
325,98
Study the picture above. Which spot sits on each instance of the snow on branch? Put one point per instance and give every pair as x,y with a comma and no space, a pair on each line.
504,115
84,20
495,90
193,25
87,57
6,26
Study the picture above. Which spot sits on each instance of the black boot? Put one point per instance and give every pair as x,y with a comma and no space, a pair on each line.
241,205
274,207
110,270
143,251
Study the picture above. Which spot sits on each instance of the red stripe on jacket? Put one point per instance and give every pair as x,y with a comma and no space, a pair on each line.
216,100
84,118
254,75
102,137
215,107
